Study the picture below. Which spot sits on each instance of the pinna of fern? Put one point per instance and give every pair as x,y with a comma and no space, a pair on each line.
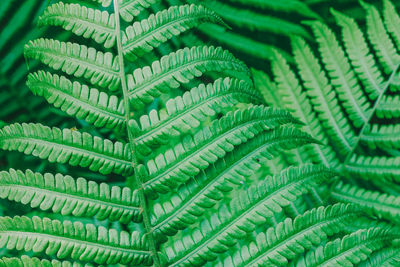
347,97
182,160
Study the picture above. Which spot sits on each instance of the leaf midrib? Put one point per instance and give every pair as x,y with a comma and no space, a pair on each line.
156,77
67,147
72,195
73,99
73,240
134,42
77,60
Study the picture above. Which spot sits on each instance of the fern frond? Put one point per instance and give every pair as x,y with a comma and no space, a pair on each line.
69,196
299,105
209,187
82,21
74,239
101,69
144,36
389,257
79,100
382,205
372,168
24,261
342,76
322,96
382,136
194,154
392,19
186,112
177,68
281,243
67,146
378,36
232,222
104,3
351,249
358,52
129,9
388,107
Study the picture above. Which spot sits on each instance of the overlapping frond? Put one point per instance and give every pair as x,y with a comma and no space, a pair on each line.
69,196
33,261
185,113
81,20
382,205
67,146
178,68
90,104
351,249
203,165
389,257
352,87
281,243
208,188
101,69
144,36
84,242
233,221
187,159
132,8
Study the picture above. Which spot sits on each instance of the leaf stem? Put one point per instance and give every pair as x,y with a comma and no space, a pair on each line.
132,139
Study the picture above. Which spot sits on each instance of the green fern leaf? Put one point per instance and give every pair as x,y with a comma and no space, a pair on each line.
374,168
382,136
73,239
177,68
79,100
359,54
209,187
186,160
144,36
341,74
254,207
349,250
27,261
101,69
279,244
388,107
296,101
392,19
67,146
187,112
131,8
389,257
382,205
81,20
69,196
322,96
380,39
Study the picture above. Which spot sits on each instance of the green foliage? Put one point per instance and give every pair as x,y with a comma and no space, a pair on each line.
207,164
347,98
